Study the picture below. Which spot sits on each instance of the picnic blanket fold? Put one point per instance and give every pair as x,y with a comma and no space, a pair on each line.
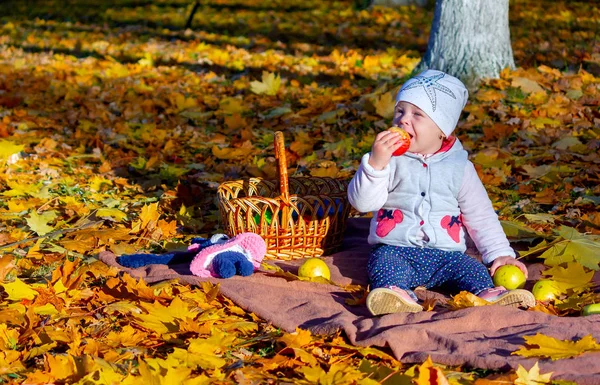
479,337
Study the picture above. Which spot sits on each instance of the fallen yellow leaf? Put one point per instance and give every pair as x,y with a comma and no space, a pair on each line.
18,290
269,86
544,346
532,377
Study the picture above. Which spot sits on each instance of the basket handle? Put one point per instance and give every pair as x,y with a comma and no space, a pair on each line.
283,179
283,171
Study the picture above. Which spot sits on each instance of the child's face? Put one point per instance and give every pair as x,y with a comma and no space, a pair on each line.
426,137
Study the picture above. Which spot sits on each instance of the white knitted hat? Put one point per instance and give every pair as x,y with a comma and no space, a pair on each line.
441,96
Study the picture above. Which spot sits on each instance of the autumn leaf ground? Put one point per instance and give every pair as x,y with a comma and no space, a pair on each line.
116,126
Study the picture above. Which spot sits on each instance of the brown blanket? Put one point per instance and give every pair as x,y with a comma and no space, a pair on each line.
480,337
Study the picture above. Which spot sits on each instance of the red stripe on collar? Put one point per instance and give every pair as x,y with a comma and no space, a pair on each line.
447,144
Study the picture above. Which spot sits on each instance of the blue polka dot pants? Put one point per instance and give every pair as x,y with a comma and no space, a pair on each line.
409,267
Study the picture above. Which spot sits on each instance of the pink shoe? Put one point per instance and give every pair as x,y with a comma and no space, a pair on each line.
386,300
515,298
251,245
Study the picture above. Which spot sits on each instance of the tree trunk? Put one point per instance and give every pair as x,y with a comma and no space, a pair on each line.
469,39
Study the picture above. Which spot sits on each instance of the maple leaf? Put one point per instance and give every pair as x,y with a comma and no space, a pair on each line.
101,373
8,149
385,104
573,246
464,299
37,190
360,300
244,327
10,362
576,302
155,371
182,102
128,336
206,349
202,356
566,143
540,123
544,346
65,272
230,153
8,337
518,231
338,373
540,218
305,357
269,86
6,266
532,377
527,85
288,276
60,367
161,319
97,183
325,169
147,60
297,339
430,375
149,215
235,122
232,106
429,303
140,288
39,222
80,246
18,290
47,309
303,143
381,374
488,95
573,276
342,148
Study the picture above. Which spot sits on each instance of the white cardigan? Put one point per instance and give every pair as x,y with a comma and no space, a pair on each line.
438,195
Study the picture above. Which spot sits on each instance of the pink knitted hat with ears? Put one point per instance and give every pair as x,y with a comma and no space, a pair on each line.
441,96
250,245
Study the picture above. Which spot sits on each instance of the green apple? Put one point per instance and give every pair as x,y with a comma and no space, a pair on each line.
546,290
593,308
509,276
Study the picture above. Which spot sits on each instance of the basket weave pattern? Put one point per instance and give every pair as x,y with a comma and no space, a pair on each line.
297,217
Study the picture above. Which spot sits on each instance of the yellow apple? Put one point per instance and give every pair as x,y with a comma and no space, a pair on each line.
509,276
314,267
546,290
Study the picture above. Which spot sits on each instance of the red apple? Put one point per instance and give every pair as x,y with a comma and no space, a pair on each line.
404,140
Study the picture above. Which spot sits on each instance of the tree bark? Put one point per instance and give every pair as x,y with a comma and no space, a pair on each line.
469,39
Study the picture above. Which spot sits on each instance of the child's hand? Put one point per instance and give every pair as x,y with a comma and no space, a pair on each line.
386,142
500,261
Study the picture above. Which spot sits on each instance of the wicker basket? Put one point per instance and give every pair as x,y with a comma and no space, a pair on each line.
297,217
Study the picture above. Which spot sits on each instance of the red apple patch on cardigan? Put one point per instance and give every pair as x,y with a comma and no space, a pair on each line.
387,220
452,224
